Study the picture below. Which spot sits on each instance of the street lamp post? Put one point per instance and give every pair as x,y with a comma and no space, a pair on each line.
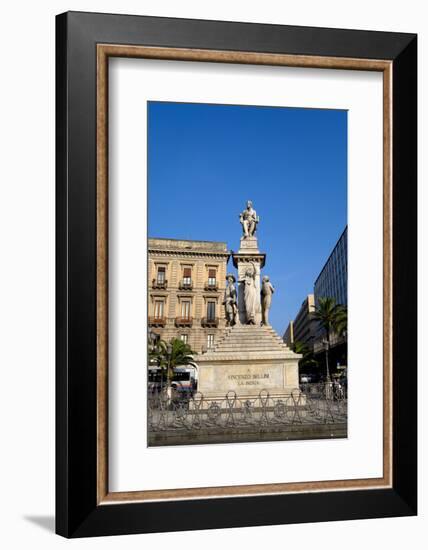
168,370
328,385
326,347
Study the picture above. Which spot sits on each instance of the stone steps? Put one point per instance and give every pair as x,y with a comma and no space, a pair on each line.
247,351
247,338
249,345
261,343
251,342
252,337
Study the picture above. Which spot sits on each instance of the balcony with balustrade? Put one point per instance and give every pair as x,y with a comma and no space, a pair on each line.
208,322
185,284
159,284
211,286
157,321
183,322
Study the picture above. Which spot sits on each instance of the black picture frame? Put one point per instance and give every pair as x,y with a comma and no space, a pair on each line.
77,511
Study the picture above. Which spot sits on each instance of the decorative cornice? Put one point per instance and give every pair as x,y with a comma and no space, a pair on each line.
158,293
239,257
239,356
196,318
188,254
195,291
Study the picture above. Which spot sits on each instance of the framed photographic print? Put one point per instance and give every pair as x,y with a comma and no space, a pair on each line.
236,274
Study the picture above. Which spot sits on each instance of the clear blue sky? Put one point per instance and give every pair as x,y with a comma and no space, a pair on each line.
206,161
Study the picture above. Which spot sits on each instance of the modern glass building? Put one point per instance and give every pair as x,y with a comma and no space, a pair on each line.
333,279
332,282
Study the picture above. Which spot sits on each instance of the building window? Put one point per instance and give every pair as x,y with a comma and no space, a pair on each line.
161,275
185,309
159,309
212,280
184,338
187,276
210,311
210,341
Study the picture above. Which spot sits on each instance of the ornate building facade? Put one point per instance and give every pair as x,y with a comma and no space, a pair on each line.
186,283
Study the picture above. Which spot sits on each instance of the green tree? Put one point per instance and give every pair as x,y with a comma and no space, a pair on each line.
333,318
308,359
167,356
341,321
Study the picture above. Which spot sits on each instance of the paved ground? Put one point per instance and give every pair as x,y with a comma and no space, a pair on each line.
247,434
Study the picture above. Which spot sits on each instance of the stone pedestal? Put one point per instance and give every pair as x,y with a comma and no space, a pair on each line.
248,245
248,254
247,360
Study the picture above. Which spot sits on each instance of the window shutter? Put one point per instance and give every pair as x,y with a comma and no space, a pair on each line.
211,310
211,273
187,272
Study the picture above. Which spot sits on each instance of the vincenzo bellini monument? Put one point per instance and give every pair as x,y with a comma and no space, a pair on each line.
250,356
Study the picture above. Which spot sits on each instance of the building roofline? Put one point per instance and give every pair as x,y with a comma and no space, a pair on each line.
186,240
330,255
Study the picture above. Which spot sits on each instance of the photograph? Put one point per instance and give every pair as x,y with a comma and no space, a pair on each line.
195,196
247,273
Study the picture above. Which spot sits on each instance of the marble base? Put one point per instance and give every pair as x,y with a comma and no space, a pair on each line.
248,378
247,360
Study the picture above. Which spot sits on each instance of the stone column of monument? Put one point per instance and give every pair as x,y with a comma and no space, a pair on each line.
248,257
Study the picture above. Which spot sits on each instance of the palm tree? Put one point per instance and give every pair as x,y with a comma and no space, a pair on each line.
333,318
308,358
299,347
167,356
341,323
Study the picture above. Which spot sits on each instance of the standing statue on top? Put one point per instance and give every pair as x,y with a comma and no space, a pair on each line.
250,294
229,301
266,292
249,220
